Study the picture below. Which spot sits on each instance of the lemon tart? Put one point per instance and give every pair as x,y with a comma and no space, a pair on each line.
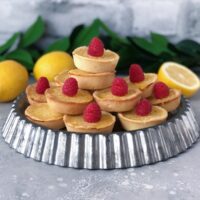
105,63
145,86
71,105
35,92
43,115
77,124
109,100
131,121
93,120
170,103
91,81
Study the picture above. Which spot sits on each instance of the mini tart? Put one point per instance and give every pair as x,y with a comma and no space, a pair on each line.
77,124
42,114
61,77
169,103
85,62
65,104
111,103
33,97
131,121
146,86
91,81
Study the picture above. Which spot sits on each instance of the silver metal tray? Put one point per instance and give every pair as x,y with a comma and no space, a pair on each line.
119,149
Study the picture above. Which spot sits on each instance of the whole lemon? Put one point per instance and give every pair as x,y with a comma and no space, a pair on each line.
14,79
51,64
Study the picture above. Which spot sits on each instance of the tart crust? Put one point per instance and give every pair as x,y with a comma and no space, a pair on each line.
68,105
145,86
169,103
111,103
85,62
61,77
43,115
77,124
131,121
32,96
96,81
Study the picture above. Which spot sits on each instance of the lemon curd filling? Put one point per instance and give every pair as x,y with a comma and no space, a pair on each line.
155,114
82,51
82,96
62,76
34,95
42,112
172,95
149,78
78,121
107,94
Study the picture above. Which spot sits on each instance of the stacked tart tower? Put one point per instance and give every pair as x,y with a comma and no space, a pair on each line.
89,98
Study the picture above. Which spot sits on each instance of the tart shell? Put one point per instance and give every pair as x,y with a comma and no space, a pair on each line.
131,125
70,108
97,81
53,124
171,104
94,64
117,104
82,129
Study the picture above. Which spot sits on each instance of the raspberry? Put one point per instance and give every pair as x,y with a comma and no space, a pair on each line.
143,108
92,113
136,73
119,87
160,90
42,85
70,87
96,47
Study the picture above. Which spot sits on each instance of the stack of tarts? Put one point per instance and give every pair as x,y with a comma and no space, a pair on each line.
89,98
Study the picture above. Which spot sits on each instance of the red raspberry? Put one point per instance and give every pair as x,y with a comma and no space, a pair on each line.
70,87
160,90
136,73
96,47
143,108
119,87
42,85
92,113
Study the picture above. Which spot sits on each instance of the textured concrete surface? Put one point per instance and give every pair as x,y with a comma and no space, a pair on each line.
23,178
176,19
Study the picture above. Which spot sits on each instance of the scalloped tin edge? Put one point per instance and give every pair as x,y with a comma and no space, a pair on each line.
115,150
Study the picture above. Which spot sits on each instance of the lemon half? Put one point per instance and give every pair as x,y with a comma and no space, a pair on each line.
179,77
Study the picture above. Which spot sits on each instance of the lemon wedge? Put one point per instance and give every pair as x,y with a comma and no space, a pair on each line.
179,77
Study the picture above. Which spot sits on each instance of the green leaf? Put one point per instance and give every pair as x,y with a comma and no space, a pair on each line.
35,54
59,45
86,34
160,43
157,45
189,47
9,43
21,56
144,44
33,34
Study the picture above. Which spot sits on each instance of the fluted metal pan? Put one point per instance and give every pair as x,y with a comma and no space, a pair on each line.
119,149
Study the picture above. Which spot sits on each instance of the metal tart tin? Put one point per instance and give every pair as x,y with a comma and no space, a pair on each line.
119,149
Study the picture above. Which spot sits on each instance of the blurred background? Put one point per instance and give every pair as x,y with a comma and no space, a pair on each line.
177,19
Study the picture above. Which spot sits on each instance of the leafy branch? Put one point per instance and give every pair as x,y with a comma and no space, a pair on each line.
150,53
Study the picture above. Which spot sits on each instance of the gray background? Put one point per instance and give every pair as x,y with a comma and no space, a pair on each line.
177,19
22,178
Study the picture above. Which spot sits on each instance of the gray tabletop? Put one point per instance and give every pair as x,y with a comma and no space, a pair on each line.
23,178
